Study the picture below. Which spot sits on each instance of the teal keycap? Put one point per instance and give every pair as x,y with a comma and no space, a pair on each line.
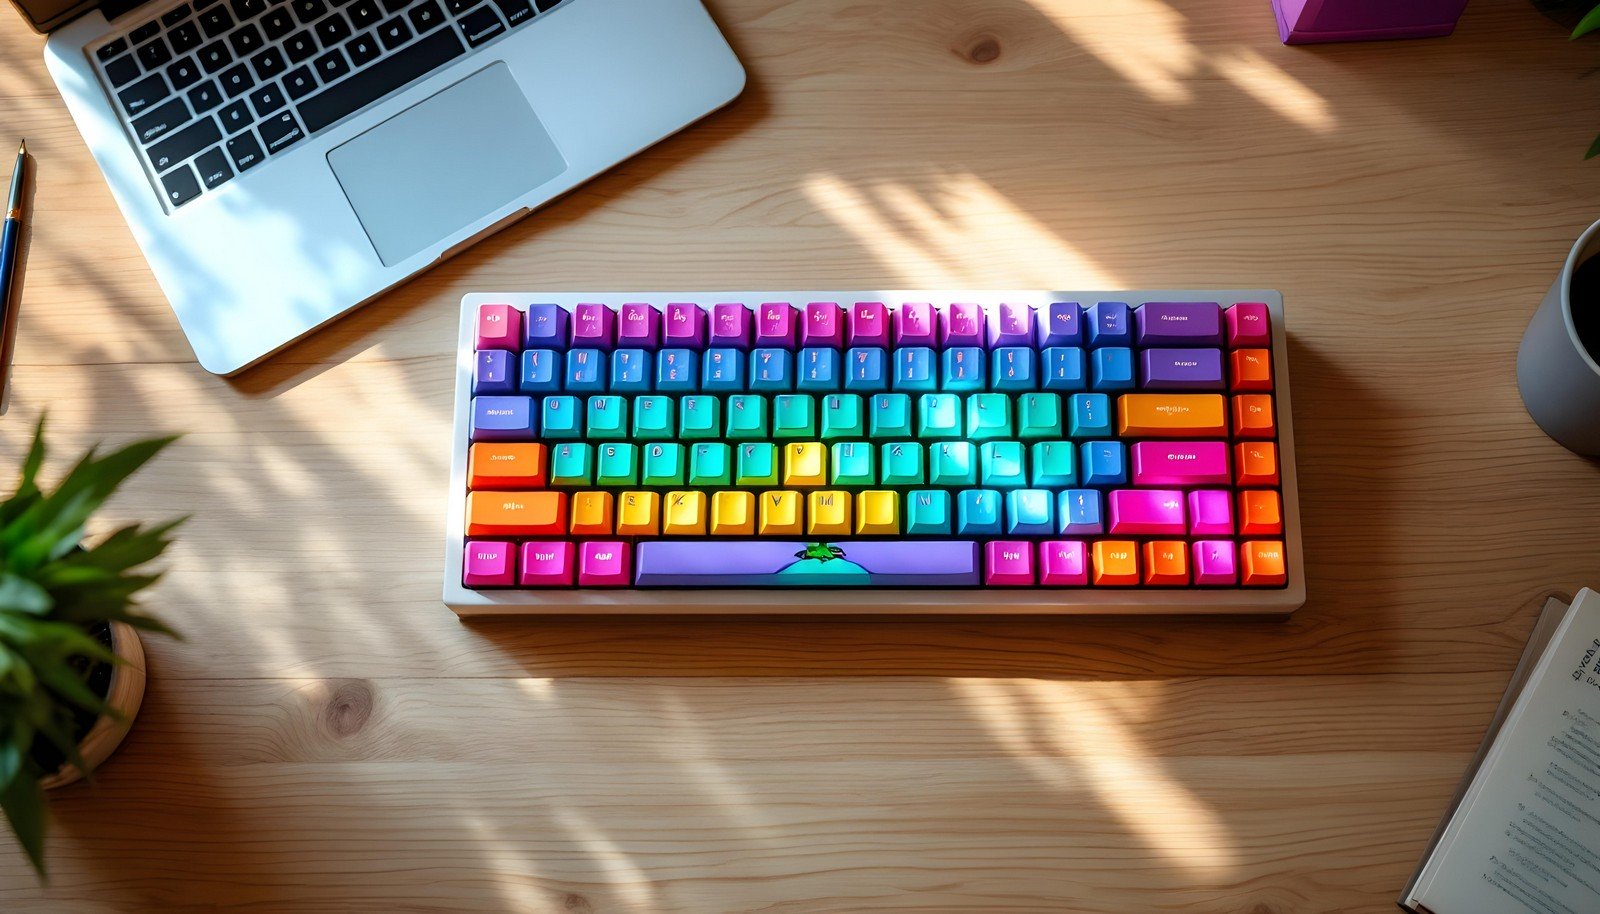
901,464
663,464
710,465
747,417
890,416
1089,416
928,512
617,465
1054,465
757,464
977,512
700,418
654,417
953,463
1039,416
608,418
1030,512
938,416
1000,465
572,465
794,416
561,417
988,416
851,464
841,417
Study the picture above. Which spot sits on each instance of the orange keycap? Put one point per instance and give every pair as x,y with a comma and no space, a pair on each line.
507,466
1252,416
1260,512
1116,563
591,513
1252,369
1256,463
1172,416
1166,562
517,513
1263,563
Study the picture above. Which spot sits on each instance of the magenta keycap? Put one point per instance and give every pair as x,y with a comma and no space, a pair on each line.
730,326
1147,512
1210,512
822,324
916,324
593,326
961,324
868,325
1181,463
499,327
775,325
1010,325
1008,564
1063,563
1215,562
604,564
488,563
684,326
546,565
638,326
1249,325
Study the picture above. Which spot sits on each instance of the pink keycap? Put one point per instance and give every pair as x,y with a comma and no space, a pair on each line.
822,324
684,325
1181,463
1147,512
1210,513
961,324
488,563
916,324
1010,325
868,324
638,326
546,565
604,564
1215,562
1249,325
775,325
730,326
1008,564
1063,563
593,326
499,327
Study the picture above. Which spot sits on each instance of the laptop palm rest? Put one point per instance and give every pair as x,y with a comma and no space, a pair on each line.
445,163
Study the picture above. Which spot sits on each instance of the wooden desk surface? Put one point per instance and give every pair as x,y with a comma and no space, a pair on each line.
330,737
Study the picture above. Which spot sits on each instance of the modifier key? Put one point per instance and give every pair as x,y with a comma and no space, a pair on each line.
792,563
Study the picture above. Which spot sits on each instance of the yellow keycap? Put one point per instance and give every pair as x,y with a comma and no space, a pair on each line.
805,464
639,514
877,512
733,514
828,513
1172,416
685,514
591,514
780,514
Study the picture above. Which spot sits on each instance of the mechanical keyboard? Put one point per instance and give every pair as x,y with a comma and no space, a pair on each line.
873,452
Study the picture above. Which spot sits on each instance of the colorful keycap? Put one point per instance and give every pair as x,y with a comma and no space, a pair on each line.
499,327
489,563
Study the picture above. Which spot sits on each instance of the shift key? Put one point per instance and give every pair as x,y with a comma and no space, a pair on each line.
1172,416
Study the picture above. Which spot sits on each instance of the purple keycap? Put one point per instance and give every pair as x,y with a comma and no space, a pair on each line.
775,325
868,324
488,563
684,326
730,326
638,326
1210,513
822,324
1060,324
593,326
1063,563
1147,512
961,324
916,324
545,327
789,563
502,419
1181,463
492,375
1215,563
546,565
1010,325
1008,564
1180,323
1181,369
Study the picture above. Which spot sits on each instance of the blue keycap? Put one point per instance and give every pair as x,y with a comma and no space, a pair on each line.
1078,511
1060,324
586,371
977,512
771,370
503,419
889,416
866,370
1088,415
817,369
928,512
492,374
630,371
544,327
677,371
913,370
1105,463
1001,465
722,371
1110,324
1030,512
561,417
541,372
961,369
1064,370
1111,369
1012,368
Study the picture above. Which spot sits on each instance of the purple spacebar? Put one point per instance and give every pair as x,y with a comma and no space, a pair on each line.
791,563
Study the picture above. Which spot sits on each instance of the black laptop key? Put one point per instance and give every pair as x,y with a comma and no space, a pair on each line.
426,17
183,144
213,168
245,151
205,96
332,30
122,71
516,11
546,5
246,40
237,80
181,186
139,97
145,32
111,49
331,66
277,23
248,9
160,121
280,131
457,7
308,11
235,117
365,13
184,73
214,57
394,33
215,21
175,15
154,54
299,83
368,85
268,64
480,25
300,46
362,48
185,37
266,100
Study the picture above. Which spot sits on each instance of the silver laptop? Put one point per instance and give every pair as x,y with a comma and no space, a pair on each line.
283,161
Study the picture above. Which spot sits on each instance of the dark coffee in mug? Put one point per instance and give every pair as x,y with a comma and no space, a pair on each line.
1585,298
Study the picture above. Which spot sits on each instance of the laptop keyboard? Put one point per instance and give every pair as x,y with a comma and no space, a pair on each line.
213,88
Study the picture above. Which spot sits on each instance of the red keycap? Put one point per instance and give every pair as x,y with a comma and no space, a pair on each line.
499,327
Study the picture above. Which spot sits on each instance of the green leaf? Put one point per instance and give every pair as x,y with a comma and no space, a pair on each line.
23,803
1594,149
1587,24
22,595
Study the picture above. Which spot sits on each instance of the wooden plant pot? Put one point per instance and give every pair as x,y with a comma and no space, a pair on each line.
123,695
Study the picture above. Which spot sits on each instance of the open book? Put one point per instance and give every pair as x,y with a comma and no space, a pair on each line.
1523,834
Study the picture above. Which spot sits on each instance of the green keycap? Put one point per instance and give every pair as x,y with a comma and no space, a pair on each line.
928,512
572,465
890,416
902,464
608,418
841,417
953,463
560,417
663,464
747,417
757,465
851,464
618,465
1000,465
939,416
1054,465
988,416
701,417
1039,416
794,416
710,465
654,417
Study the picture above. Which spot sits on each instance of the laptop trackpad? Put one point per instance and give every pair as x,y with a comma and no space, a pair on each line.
445,163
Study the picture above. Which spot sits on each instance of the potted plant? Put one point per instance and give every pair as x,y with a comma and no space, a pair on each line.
71,665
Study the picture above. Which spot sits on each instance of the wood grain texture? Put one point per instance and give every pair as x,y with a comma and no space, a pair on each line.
330,738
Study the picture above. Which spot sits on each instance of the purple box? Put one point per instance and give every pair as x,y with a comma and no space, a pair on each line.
1309,21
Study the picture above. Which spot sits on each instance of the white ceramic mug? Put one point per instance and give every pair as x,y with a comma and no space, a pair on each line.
1558,377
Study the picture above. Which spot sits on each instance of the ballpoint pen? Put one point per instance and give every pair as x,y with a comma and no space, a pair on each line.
10,241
